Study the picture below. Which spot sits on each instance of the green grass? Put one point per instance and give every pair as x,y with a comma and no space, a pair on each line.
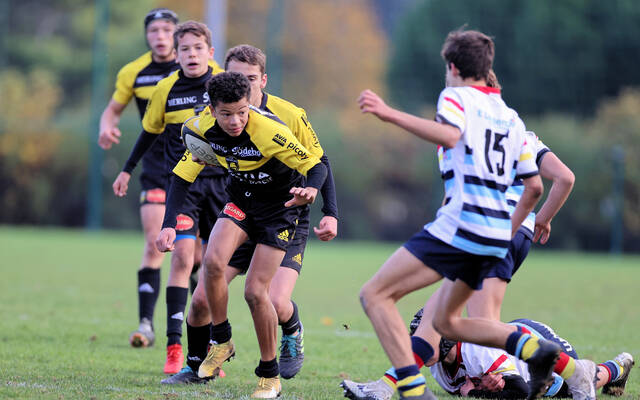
68,303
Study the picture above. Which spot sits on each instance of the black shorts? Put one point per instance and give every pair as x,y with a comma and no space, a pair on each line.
449,261
154,174
292,259
203,203
518,250
266,222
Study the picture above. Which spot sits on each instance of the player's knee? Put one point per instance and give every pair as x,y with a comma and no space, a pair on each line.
280,303
367,297
254,295
443,324
214,267
199,307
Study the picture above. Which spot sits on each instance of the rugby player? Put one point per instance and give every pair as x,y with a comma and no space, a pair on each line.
484,150
267,166
176,98
251,62
137,80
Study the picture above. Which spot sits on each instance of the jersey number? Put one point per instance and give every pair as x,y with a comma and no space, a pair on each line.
496,138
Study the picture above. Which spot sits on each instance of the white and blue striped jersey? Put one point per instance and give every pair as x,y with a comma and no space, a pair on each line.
491,153
515,190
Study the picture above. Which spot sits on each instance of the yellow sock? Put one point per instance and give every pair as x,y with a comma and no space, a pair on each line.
529,347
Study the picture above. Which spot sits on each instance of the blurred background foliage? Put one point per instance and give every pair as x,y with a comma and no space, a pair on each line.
568,67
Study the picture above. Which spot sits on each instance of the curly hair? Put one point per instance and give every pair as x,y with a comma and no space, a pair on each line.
228,87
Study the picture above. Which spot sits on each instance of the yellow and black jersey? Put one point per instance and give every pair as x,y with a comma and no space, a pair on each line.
296,120
176,99
265,157
138,79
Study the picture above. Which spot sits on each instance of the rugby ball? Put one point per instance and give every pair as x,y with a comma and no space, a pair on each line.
198,146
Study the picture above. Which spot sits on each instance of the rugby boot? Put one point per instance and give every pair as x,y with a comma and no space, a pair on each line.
291,354
186,376
218,354
374,390
175,358
143,336
616,388
541,365
268,388
582,384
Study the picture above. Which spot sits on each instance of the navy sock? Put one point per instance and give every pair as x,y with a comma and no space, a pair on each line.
221,333
293,324
176,303
148,290
422,349
197,343
267,369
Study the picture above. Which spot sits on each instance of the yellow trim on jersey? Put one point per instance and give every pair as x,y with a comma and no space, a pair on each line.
296,119
127,77
525,156
215,67
154,116
454,112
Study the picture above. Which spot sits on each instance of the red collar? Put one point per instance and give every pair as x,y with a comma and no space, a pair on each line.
487,89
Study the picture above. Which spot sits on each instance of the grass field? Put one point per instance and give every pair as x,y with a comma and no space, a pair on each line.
68,304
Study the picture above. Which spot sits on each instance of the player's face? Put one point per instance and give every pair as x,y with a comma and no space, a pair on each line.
160,39
193,55
257,79
232,117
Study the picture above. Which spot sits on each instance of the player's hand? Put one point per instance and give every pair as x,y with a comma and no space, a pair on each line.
301,196
197,160
542,231
467,386
370,102
166,240
492,382
121,184
108,137
327,228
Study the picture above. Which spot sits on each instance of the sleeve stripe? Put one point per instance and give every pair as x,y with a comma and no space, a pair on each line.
525,157
455,103
496,364
454,112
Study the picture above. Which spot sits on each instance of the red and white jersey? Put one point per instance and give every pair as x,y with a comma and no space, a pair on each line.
479,169
473,361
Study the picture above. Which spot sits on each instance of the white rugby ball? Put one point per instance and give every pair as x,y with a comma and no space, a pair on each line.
199,146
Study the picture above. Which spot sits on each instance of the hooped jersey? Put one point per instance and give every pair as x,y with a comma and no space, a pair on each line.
478,170
473,361
517,188
176,99
266,157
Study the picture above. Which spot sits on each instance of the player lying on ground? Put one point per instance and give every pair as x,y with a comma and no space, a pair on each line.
267,167
176,98
251,62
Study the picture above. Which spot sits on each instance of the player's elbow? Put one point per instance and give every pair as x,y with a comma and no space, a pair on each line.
534,187
567,179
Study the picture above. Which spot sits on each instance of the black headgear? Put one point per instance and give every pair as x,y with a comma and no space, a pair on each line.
445,347
160,13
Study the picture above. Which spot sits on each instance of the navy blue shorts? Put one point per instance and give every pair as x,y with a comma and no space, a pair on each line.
449,261
201,207
544,331
154,174
518,250
292,259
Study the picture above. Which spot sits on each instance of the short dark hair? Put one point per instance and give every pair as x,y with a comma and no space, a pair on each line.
160,13
471,52
193,27
246,54
228,87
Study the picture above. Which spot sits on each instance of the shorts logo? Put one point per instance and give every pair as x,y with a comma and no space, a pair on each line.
279,139
155,196
234,212
297,258
183,222
284,235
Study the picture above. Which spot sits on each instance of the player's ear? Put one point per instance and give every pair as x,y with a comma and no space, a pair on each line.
213,110
211,51
263,84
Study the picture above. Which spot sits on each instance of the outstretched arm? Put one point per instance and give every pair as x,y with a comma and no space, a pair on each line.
109,132
563,178
431,131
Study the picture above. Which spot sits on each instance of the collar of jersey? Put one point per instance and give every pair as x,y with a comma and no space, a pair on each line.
486,89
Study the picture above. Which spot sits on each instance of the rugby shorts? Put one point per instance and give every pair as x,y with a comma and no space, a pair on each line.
450,262
518,250
205,199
